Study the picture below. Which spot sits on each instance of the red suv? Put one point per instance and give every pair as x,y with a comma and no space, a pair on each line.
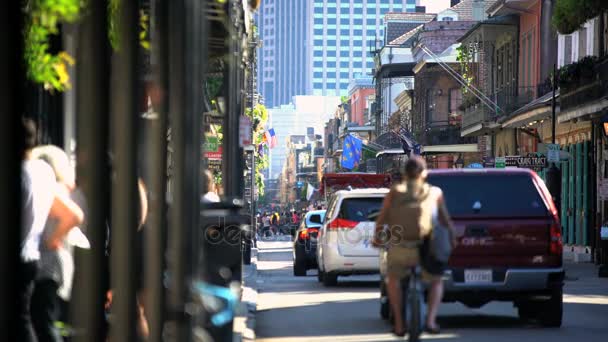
509,242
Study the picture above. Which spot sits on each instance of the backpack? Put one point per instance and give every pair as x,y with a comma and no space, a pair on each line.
410,214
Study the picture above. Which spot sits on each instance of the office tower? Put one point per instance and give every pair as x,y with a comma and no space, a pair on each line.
342,32
282,57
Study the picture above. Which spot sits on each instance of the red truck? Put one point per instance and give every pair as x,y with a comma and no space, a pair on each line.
509,242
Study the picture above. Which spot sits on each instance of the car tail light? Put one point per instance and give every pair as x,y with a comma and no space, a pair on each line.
305,233
342,223
556,245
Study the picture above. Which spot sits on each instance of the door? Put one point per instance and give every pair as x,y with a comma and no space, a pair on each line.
564,202
579,195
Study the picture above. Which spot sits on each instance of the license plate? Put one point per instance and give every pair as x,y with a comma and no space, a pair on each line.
478,276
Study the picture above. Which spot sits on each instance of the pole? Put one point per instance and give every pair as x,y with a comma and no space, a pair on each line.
11,154
125,112
178,329
554,174
92,168
157,159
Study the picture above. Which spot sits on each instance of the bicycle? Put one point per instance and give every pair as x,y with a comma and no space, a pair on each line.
412,301
413,298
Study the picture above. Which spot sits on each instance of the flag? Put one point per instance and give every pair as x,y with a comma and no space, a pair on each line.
309,192
351,152
272,139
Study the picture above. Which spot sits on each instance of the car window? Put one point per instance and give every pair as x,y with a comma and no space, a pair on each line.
330,208
309,220
490,195
358,209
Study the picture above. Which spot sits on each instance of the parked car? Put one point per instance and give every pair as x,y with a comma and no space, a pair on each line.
344,246
509,242
305,242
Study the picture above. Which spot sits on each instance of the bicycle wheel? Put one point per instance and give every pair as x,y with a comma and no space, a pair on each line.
414,322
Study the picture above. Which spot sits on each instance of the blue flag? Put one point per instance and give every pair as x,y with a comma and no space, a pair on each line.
351,152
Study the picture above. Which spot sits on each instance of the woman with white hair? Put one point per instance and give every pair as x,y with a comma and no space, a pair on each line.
56,266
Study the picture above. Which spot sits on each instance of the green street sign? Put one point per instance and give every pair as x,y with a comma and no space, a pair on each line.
500,162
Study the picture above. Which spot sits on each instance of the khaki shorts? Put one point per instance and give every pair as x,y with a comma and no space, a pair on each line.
399,260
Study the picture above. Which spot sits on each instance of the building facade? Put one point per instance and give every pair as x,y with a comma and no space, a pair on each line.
342,32
359,91
306,115
282,27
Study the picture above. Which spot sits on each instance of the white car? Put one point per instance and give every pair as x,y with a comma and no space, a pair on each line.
344,244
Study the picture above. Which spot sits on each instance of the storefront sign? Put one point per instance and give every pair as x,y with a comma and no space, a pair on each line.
244,131
211,144
532,161
214,155
214,165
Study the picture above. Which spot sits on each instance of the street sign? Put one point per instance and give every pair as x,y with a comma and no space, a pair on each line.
500,162
299,184
553,155
475,166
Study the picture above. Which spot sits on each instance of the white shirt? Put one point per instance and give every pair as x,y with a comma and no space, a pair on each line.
38,186
210,197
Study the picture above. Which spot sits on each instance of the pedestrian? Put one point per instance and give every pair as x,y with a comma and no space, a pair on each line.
265,224
40,200
208,188
53,283
411,210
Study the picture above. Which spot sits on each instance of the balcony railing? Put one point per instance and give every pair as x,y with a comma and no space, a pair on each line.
442,133
590,86
508,99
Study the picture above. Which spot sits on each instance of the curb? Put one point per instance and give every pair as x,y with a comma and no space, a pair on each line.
249,299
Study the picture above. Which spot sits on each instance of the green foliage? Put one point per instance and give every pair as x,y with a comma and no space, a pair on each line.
113,20
463,56
577,72
344,99
42,18
570,15
259,117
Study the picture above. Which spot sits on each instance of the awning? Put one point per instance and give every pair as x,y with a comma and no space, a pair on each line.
456,148
337,181
537,110
583,111
479,129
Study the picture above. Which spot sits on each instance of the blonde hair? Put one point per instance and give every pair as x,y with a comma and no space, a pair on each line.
59,162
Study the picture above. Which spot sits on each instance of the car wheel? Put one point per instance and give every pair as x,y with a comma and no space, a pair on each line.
299,264
330,279
384,305
552,310
526,311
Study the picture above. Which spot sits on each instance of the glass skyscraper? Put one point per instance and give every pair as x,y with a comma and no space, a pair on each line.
282,28
342,33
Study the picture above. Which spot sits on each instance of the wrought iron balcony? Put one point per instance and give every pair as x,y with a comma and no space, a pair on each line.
586,86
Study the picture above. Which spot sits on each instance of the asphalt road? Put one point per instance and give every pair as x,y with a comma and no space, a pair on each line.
301,309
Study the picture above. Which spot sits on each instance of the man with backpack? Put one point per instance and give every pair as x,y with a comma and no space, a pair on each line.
410,212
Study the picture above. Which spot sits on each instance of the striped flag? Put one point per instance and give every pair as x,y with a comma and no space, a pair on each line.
272,138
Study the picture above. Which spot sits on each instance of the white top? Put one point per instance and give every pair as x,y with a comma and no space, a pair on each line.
38,186
210,197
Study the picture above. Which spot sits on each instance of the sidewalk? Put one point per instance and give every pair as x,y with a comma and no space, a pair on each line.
244,322
582,279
